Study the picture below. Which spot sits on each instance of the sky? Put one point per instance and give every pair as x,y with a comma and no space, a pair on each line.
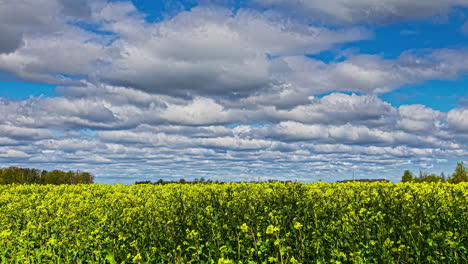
234,90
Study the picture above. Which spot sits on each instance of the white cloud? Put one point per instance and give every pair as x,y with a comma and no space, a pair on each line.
419,118
12,154
368,73
338,108
213,51
367,11
201,111
211,91
353,135
24,133
457,119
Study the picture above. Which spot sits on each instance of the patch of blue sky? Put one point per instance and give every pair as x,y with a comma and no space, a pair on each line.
88,132
336,91
156,11
105,37
436,94
327,56
56,132
392,40
232,126
19,90
68,76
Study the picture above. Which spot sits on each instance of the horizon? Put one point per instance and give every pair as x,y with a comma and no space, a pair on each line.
234,90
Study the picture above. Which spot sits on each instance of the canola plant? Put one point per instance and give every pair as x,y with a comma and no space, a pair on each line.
235,223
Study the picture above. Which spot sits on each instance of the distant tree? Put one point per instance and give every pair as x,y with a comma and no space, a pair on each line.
460,174
183,181
55,177
433,178
423,177
160,181
85,177
443,177
407,176
12,175
34,176
143,182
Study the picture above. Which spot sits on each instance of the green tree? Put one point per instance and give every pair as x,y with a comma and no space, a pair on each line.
442,176
54,177
407,176
12,175
460,174
85,177
433,178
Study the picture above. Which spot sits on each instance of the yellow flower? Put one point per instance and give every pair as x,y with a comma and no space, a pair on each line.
224,261
137,258
244,227
298,225
272,229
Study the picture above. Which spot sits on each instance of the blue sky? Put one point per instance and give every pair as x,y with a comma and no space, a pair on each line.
234,90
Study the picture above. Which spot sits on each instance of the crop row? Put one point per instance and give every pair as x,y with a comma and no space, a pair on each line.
235,223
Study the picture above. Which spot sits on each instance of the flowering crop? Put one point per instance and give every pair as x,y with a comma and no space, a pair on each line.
235,223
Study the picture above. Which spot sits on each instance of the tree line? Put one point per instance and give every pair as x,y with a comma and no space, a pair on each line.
459,175
17,175
202,180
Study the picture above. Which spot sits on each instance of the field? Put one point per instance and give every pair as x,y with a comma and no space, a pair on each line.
235,223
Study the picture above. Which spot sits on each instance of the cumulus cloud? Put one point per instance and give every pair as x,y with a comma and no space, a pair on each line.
11,40
366,11
339,108
458,119
201,111
373,74
208,51
212,91
11,153
419,118
213,51
24,133
31,17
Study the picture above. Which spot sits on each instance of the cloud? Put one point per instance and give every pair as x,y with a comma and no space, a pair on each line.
36,17
220,93
339,108
24,133
370,73
211,51
10,153
11,40
76,8
364,11
458,119
204,51
419,118
201,111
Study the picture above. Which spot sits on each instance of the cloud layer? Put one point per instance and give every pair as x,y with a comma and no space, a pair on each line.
220,93
367,11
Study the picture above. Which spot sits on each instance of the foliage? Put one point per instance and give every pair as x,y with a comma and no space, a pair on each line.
366,180
203,181
407,176
460,174
34,176
235,223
